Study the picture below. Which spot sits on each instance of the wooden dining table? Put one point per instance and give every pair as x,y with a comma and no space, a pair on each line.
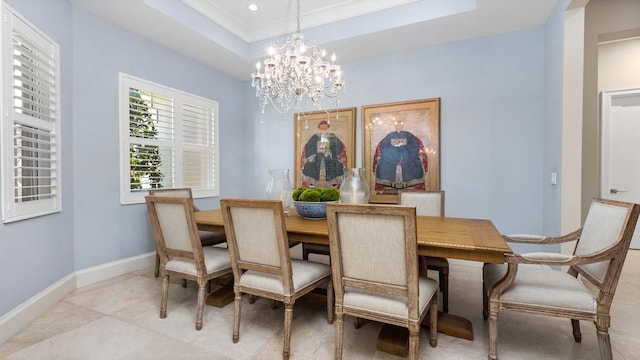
446,237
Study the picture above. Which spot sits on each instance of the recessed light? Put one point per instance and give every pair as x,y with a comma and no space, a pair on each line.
252,7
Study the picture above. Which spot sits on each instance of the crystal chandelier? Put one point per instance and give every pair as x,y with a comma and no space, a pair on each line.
294,70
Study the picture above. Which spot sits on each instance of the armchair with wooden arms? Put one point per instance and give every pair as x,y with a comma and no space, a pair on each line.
599,254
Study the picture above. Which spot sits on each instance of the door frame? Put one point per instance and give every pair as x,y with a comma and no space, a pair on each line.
606,100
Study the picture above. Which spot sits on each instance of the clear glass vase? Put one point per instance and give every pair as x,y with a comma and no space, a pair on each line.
279,188
354,188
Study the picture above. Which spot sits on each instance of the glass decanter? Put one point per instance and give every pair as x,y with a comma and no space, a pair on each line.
354,188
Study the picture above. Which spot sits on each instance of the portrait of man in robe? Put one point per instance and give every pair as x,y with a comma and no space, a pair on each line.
401,147
324,147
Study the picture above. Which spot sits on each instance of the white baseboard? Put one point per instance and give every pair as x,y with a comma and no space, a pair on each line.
110,270
19,317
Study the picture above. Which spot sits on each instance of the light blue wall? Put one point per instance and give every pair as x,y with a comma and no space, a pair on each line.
105,230
492,121
38,252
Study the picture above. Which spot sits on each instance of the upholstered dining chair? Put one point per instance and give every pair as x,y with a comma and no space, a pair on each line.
180,250
259,249
430,203
207,238
600,251
375,270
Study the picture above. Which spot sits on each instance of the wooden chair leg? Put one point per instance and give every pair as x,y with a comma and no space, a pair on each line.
339,332
433,323
184,283
236,317
200,308
252,299
604,343
274,304
444,286
493,331
577,335
165,296
288,317
485,301
330,302
357,323
156,272
414,340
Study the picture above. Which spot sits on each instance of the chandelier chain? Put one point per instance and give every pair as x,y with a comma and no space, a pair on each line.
298,16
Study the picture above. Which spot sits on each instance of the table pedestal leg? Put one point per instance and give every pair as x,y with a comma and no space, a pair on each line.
395,340
224,295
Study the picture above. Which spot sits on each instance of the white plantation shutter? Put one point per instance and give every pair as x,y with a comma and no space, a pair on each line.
197,146
31,120
169,140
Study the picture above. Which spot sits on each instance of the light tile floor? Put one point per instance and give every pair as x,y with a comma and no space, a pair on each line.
119,319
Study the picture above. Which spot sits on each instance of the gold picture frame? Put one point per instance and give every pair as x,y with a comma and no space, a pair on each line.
322,152
402,158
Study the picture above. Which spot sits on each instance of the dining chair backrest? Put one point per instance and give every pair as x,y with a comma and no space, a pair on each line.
427,203
374,247
176,192
257,237
607,226
175,229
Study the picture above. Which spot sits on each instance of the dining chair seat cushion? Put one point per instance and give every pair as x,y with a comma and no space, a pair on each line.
542,286
215,259
208,238
303,273
389,305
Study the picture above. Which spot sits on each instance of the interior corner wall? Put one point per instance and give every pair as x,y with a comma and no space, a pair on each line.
553,101
601,17
104,229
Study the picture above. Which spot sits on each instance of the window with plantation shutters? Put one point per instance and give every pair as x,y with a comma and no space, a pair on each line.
30,120
169,140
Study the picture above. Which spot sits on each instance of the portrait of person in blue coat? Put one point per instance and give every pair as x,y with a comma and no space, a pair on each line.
400,160
323,159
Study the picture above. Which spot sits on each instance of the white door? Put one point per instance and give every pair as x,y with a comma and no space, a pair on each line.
621,148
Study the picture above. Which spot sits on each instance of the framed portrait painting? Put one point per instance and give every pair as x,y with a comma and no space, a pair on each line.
401,147
324,147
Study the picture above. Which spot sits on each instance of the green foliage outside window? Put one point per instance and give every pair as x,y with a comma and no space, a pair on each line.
144,160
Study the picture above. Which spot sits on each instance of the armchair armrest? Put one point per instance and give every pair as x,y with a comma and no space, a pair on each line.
538,239
542,258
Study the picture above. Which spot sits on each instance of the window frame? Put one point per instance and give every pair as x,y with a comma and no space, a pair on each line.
12,209
126,81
